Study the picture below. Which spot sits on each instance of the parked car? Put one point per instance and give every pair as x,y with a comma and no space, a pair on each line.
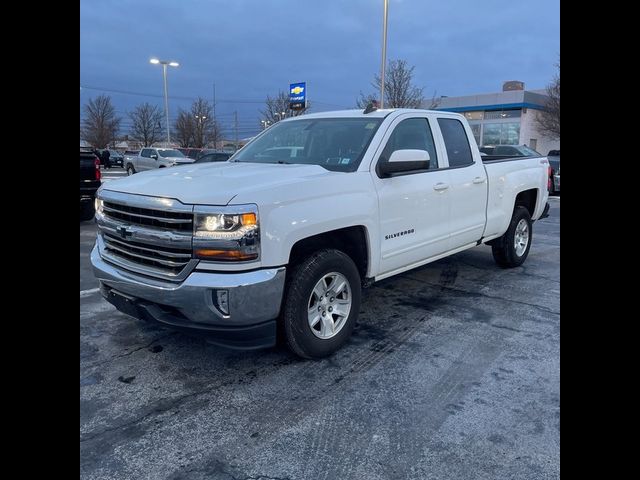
554,171
116,158
89,182
152,158
509,151
269,243
213,156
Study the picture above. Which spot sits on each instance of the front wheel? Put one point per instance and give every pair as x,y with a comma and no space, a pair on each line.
130,170
512,249
321,304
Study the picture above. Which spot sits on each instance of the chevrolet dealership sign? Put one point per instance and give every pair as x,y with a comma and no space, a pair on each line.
298,96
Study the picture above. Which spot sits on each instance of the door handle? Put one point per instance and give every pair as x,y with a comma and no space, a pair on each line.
479,180
441,186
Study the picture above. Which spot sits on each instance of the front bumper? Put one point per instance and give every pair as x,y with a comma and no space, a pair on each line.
253,302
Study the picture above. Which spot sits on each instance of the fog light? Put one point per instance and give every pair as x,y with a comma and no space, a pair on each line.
221,299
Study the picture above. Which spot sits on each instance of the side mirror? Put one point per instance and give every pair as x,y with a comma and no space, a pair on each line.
154,156
405,161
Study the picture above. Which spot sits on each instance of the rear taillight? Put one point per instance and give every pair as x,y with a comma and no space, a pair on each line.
97,163
550,175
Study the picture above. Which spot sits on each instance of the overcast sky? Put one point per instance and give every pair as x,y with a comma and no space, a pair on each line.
252,48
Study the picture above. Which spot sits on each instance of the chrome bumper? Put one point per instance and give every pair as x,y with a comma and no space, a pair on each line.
251,298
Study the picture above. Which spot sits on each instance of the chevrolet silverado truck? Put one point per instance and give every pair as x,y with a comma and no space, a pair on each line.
152,158
268,245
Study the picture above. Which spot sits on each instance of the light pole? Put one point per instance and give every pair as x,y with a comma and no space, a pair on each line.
384,50
164,64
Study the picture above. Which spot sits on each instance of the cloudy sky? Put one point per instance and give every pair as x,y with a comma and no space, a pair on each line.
252,48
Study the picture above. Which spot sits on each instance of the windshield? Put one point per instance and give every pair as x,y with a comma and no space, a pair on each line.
170,153
336,144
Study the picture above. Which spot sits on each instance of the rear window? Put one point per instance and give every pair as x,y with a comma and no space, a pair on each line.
456,142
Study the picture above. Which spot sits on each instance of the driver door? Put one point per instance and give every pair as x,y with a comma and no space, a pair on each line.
413,206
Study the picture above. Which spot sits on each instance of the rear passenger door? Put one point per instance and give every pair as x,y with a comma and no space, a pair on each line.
467,183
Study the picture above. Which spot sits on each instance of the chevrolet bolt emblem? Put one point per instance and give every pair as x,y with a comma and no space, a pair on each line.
124,231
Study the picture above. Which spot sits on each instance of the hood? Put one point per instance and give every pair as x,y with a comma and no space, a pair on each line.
215,183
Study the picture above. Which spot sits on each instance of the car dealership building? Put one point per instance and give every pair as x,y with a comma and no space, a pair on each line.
503,118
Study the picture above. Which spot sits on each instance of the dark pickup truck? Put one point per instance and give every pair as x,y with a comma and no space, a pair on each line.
89,183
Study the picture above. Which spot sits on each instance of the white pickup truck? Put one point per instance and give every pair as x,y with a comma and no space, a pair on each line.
274,242
150,158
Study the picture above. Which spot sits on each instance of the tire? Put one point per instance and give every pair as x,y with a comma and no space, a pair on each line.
505,252
130,169
329,268
87,211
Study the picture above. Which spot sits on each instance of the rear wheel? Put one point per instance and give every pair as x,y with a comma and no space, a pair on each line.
321,303
130,169
512,249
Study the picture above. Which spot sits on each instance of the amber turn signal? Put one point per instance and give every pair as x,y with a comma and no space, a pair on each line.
208,253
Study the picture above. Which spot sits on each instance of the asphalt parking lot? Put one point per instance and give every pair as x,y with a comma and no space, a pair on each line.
452,373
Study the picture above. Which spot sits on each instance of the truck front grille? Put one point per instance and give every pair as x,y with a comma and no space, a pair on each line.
146,235
168,259
149,217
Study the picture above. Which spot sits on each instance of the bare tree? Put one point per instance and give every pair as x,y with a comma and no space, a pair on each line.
146,126
399,92
203,122
101,124
184,127
277,108
548,120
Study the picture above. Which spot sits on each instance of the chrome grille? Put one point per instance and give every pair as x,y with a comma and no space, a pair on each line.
146,235
171,259
149,217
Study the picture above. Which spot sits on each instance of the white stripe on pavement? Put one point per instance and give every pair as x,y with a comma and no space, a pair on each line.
86,293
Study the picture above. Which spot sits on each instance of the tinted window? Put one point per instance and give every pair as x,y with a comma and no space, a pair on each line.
506,150
170,153
221,157
456,142
146,152
411,134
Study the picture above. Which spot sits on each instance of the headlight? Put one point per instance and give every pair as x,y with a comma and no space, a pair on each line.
226,233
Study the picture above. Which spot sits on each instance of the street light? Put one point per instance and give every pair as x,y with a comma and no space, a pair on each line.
164,64
384,51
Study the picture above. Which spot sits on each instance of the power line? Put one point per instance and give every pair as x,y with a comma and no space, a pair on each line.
140,94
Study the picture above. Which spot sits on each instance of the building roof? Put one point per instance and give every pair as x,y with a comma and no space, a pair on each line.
494,101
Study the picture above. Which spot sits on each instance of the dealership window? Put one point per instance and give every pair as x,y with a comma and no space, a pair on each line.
499,114
501,133
475,128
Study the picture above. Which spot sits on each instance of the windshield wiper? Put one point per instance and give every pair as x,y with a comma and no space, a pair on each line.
282,162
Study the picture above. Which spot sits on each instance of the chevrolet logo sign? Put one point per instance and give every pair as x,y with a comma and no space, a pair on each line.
297,90
124,231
